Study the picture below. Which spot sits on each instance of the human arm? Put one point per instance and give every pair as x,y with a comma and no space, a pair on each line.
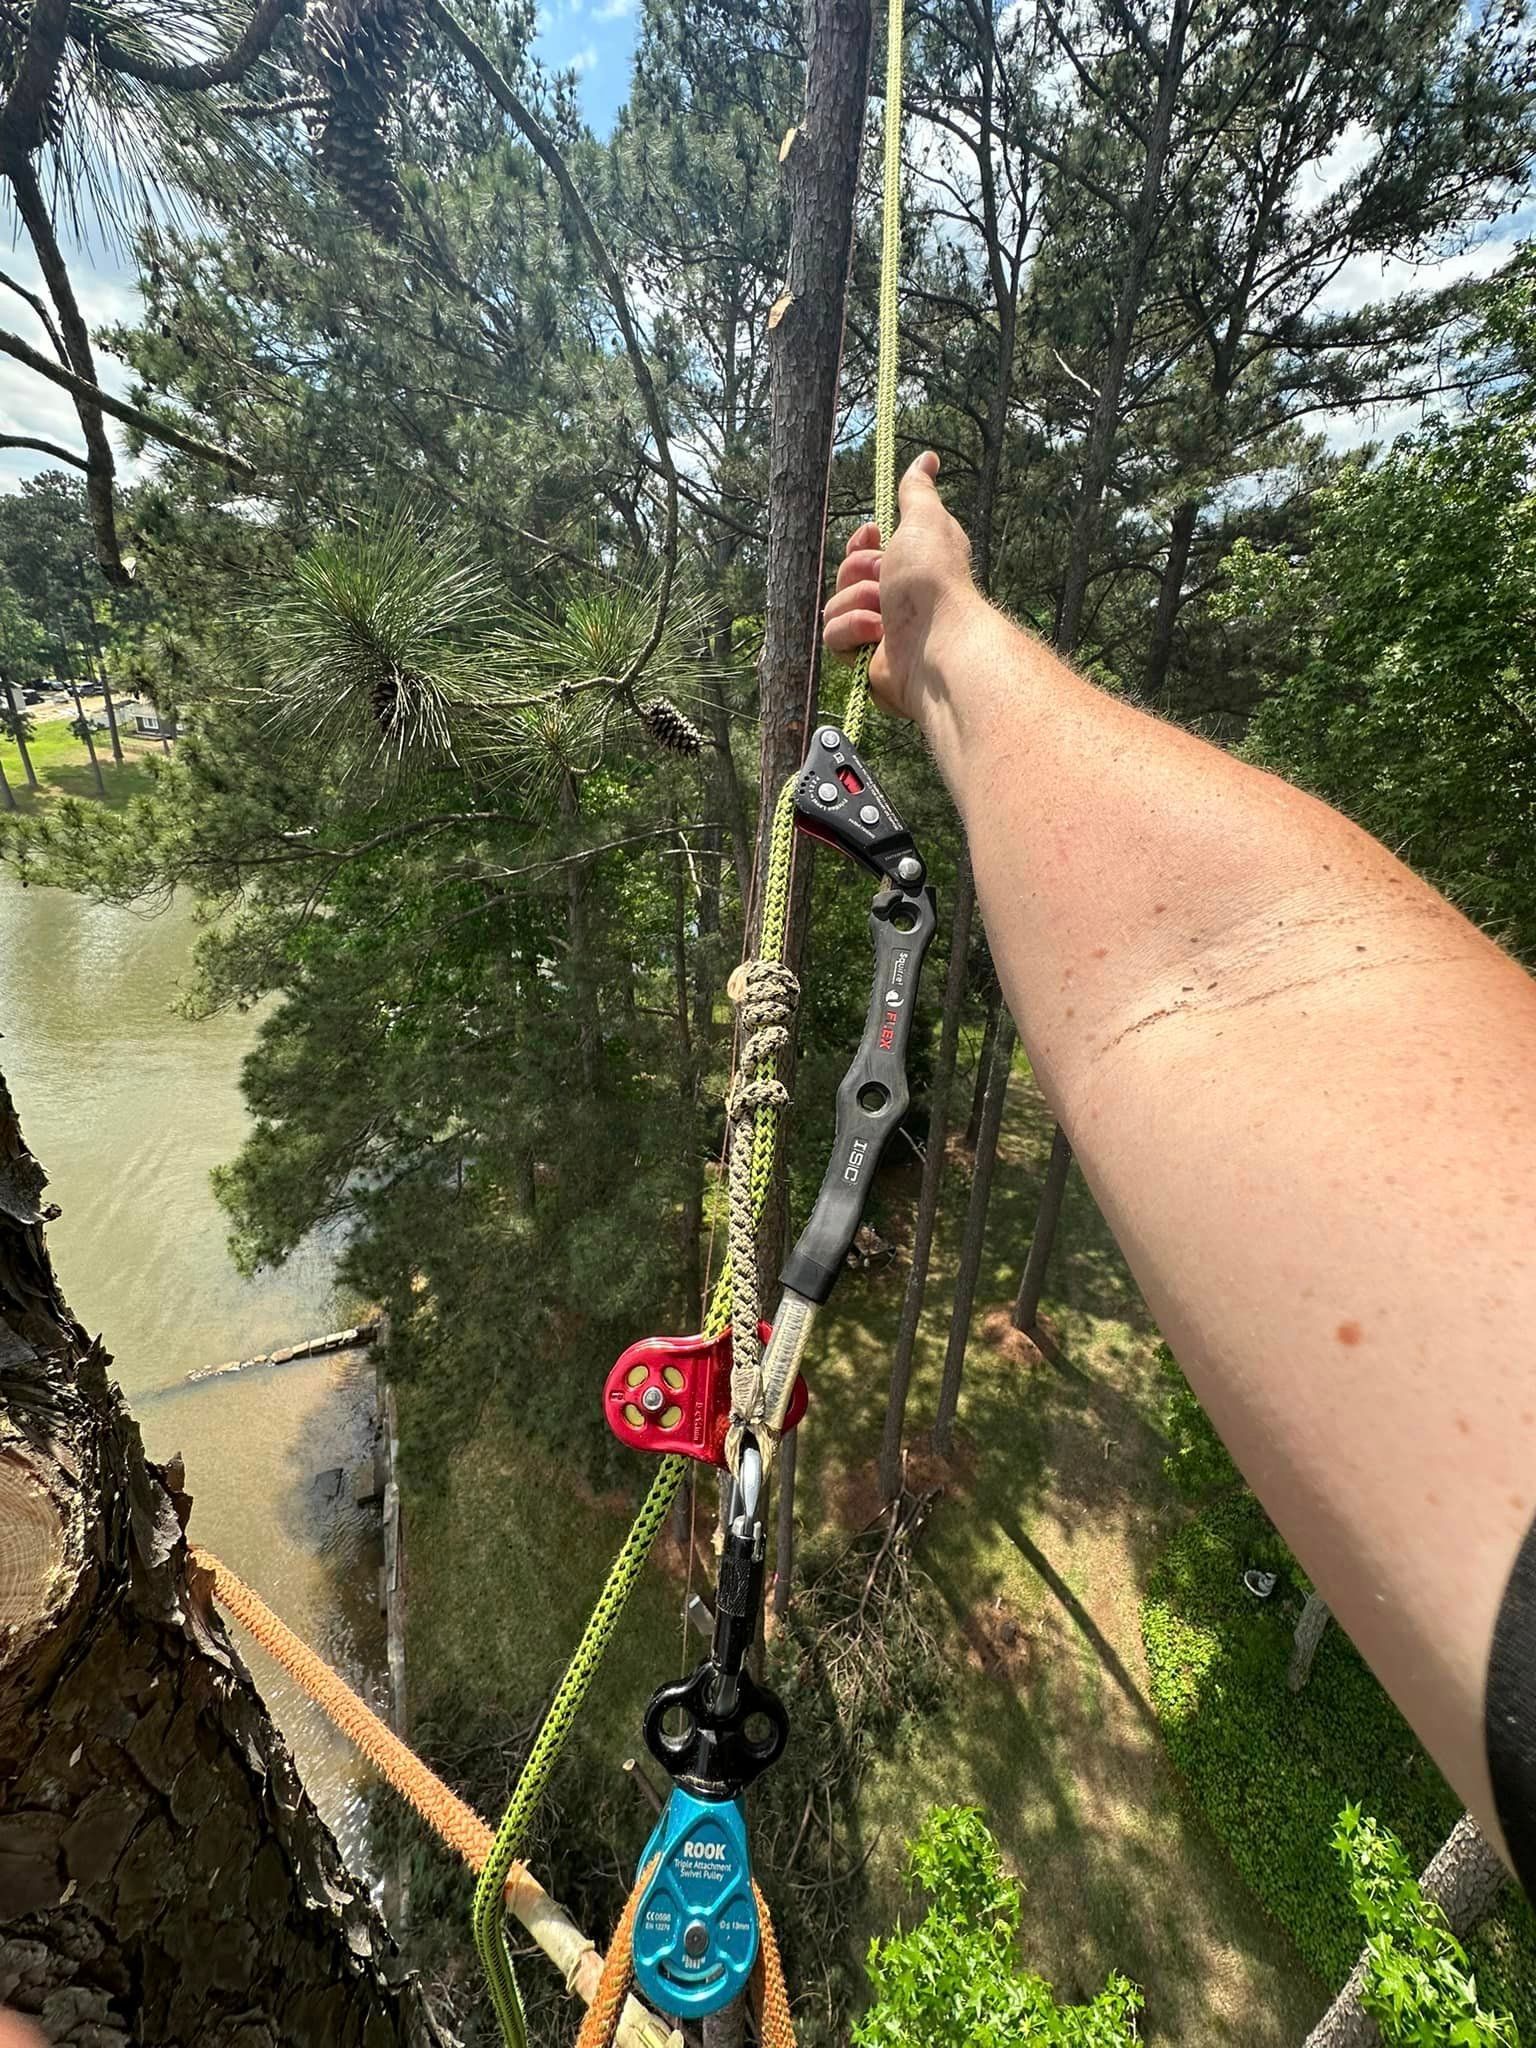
1303,1090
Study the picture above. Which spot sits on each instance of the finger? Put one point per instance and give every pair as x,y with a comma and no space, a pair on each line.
863,567
917,486
865,536
853,630
863,596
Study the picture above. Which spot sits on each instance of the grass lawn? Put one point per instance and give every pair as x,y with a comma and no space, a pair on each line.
1053,1512
1273,1769
63,766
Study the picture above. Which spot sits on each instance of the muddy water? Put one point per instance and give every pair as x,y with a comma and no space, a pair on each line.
128,1106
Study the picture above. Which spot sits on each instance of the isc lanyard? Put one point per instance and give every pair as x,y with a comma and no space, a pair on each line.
696,1932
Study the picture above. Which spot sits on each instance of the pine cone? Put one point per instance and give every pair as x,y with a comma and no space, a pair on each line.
360,50
668,727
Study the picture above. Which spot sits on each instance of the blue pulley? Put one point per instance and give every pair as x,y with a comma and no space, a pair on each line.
696,1929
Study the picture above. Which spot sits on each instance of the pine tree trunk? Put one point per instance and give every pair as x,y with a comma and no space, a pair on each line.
983,1066
1310,1631
7,794
975,1232
90,744
939,1092
1058,1168
17,727
1170,599
820,167
1463,1878
163,1877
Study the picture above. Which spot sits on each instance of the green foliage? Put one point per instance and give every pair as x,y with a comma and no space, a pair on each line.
1419,1987
1198,1462
953,1980
1409,688
1271,1769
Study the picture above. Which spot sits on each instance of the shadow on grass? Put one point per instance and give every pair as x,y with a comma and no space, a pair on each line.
1055,1509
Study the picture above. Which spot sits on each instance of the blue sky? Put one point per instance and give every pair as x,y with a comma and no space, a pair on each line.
595,38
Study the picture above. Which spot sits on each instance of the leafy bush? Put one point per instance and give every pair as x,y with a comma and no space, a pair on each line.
954,1981
1271,1769
1418,1986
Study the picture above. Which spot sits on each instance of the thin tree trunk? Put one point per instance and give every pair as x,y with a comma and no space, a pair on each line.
111,711
994,1012
1310,1630
1463,1878
1026,1309
7,794
576,939
90,743
1170,598
975,1232
820,170
1099,450
163,1876
939,1093
16,725
784,1537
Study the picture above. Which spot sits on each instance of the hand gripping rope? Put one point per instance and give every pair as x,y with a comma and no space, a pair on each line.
719,1745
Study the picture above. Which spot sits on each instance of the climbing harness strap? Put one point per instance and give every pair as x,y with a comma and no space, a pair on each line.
764,1383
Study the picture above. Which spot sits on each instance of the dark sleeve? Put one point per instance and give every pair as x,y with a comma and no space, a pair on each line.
1511,1714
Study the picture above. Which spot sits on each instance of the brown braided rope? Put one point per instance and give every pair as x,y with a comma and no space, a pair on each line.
600,2022
444,1812
770,1994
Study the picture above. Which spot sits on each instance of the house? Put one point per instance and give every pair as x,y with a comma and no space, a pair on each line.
134,715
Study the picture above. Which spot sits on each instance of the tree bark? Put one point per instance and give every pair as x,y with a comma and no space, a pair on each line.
1463,1878
939,1093
821,167
90,744
163,1876
1310,1631
1026,1308
1170,598
994,1012
975,1231
7,794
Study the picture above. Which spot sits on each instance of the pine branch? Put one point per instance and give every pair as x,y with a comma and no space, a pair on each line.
252,44
544,147
25,114
44,448
120,409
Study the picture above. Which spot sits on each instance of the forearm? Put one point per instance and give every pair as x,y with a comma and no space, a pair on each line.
1300,1085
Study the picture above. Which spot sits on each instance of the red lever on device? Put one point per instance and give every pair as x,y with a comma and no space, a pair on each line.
674,1394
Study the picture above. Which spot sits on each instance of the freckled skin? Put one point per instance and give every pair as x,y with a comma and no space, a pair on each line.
1254,1079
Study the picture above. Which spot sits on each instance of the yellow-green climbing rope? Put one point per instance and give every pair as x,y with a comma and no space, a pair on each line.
533,1780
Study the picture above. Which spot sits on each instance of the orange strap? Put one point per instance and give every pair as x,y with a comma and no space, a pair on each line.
770,1997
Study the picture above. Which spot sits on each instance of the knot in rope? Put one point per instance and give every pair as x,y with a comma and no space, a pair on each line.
766,994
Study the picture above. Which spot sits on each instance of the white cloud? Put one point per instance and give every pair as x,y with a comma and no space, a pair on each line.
613,10
584,60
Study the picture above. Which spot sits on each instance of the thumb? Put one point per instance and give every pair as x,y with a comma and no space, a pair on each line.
916,492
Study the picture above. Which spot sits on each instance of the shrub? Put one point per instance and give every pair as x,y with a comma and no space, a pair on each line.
954,1981
1418,1986
1271,1769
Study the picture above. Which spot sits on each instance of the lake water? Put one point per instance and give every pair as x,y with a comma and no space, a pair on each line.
128,1106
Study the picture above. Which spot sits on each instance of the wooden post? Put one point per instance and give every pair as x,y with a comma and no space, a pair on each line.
1309,1633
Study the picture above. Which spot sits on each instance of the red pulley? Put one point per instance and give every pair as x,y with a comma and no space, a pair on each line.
674,1394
